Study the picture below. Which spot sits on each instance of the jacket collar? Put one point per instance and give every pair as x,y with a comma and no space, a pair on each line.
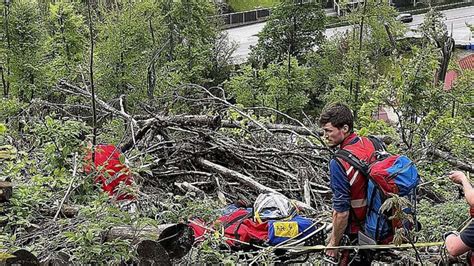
351,139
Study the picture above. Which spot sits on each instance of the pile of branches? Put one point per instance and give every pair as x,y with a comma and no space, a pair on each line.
210,154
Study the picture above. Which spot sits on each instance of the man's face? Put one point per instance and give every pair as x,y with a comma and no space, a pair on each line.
334,135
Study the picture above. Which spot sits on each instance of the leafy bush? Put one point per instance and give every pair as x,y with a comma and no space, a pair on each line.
440,218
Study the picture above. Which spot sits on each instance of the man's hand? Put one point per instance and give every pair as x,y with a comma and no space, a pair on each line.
457,177
332,253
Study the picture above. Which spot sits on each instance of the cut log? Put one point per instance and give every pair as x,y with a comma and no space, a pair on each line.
185,186
6,190
249,181
176,239
22,257
152,253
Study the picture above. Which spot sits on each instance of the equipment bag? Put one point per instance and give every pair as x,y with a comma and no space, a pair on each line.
296,228
240,229
272,206
388,175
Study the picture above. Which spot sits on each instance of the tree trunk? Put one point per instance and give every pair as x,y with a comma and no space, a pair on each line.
453,161
176,239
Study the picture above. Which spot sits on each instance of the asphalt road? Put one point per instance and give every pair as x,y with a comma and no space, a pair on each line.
455,21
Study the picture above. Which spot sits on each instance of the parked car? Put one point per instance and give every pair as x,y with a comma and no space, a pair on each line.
405,17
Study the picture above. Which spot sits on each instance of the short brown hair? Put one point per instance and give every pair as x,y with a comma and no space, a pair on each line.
339,115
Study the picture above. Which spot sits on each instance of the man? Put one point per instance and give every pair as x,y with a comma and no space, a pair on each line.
464,242
349,187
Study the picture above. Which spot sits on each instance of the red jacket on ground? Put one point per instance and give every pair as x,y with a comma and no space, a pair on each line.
111,172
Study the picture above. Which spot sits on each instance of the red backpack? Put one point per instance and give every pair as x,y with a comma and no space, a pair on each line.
239,229
387,174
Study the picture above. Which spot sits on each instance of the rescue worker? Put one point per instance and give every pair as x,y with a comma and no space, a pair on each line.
460,243
349,187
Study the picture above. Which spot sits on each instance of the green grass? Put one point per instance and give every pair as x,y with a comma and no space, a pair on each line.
245,5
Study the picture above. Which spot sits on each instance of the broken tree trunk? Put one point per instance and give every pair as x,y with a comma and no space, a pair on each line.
22,257
67,211
176,239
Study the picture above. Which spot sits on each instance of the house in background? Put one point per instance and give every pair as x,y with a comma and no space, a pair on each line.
465,63
388,115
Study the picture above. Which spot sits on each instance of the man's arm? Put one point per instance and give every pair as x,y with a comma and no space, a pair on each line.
339,225
468,191
455,246
341,205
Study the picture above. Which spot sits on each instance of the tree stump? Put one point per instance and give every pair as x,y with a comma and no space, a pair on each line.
152,253
22,257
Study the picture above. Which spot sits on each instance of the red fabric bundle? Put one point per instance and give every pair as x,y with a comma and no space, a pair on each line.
110,171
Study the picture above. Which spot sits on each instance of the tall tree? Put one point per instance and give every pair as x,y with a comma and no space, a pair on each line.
67,40
5,47
26,42
273,87
123,48
294,28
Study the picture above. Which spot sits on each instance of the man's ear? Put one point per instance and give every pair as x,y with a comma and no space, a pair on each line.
345,129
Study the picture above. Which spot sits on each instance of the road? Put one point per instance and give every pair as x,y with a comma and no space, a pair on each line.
455,20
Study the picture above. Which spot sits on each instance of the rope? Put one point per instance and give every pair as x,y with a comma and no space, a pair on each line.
402,246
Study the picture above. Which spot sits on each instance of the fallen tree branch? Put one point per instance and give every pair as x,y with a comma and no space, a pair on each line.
452,160
6,190
103,104
234,175
69,187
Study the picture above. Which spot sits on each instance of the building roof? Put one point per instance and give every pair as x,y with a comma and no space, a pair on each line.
467,62
449,79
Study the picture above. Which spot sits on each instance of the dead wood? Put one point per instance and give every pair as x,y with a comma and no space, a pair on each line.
249,181
176,239
22,257
152,253
67,211
453,161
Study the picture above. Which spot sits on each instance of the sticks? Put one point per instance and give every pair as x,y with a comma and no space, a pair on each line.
69,188
234,175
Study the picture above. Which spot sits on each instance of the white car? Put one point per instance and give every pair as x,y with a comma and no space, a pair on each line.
405,17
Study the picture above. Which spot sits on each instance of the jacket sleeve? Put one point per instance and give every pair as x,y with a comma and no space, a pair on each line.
341,199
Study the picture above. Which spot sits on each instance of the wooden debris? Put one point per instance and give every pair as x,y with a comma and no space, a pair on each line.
22,257
152,253
176,239
453,161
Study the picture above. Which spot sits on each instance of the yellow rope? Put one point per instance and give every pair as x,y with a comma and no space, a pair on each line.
402,246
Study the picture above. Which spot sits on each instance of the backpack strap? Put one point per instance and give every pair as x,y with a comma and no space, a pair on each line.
379,145
239,223
236,219
351,159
